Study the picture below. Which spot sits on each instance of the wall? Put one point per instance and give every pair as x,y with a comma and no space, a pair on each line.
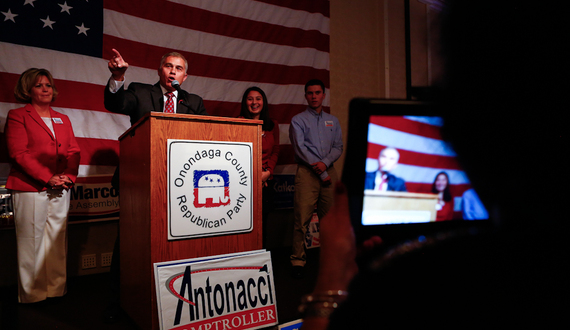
367,57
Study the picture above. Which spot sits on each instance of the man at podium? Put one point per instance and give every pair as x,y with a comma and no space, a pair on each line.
136,101
382,179
164,96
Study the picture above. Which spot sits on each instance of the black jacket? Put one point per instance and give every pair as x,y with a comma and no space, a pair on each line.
140,99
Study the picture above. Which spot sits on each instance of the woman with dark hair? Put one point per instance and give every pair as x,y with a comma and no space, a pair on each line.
444,204
254,105
45,162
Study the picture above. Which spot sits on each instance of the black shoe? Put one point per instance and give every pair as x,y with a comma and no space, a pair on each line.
298,272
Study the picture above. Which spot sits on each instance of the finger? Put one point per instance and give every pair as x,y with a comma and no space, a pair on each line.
340,206
64,178
371,243
117,54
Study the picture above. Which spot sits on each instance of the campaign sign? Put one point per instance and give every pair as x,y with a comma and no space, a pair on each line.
293,325
284,188
93,199
210,189
233,291
312,236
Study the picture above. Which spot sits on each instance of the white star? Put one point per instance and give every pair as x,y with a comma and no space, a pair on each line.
65,8
29,2
9,16
48,22
82,29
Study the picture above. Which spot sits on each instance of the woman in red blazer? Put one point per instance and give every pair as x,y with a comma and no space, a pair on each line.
45,161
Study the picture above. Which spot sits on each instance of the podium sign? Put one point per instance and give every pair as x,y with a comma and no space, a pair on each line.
210,189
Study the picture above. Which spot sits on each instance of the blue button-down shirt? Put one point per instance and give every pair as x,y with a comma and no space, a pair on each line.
316,137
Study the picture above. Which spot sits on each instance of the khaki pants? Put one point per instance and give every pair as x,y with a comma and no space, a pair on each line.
41,234
309,191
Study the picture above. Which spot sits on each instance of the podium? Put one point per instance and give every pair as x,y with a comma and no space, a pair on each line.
143,203
388,207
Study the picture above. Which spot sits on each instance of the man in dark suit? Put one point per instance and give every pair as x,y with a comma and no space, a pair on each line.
139,98
136,101
382,179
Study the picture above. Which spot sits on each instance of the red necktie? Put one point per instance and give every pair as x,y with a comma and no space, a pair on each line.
169,108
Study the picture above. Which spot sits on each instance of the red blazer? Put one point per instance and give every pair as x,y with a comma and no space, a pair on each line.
270,148
36,154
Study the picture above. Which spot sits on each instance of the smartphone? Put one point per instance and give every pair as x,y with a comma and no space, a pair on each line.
403,178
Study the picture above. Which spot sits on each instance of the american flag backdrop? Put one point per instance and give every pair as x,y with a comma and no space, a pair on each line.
423,153
277,45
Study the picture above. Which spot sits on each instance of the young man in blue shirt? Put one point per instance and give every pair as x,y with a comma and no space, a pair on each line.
317,140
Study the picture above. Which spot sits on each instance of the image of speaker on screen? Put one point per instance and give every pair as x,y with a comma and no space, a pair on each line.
382,179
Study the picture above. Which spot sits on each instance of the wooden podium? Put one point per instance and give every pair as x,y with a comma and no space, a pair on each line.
143,203
386,207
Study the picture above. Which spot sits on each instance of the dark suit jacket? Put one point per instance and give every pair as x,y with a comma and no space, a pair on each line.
36,154
394,183
140,99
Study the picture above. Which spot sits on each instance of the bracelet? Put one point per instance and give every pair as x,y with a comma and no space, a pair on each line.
322,304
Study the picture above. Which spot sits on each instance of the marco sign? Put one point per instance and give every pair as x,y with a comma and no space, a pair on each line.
210,189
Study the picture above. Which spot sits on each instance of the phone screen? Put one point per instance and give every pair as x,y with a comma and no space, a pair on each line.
413,175
403,178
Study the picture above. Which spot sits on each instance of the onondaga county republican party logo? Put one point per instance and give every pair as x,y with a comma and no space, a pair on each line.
210,189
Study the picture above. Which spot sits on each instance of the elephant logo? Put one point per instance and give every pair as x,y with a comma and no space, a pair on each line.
211,188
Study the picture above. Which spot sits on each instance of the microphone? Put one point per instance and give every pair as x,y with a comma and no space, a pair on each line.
176,86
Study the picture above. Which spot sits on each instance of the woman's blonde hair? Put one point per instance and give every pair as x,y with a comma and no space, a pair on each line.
27,80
